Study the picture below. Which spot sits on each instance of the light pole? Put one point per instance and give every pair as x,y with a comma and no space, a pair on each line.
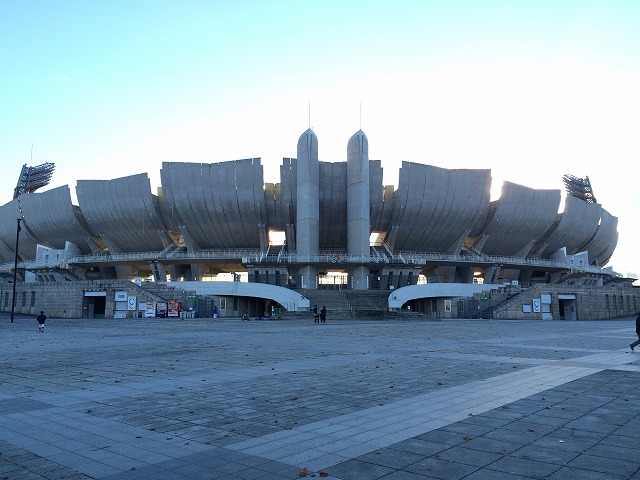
15,269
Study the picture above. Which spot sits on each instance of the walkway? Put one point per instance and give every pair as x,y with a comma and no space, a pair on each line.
204,399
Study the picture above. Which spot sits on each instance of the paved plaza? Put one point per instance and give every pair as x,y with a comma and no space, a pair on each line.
346,400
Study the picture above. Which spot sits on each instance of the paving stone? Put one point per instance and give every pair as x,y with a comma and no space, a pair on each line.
535,452
358,469
391,458
570,473
604,465
468,456
524,467
420,447
488,474
439,468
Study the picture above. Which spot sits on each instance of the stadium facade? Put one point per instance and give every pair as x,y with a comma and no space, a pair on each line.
438,224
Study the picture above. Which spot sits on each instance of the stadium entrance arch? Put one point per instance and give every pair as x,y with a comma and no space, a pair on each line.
289,300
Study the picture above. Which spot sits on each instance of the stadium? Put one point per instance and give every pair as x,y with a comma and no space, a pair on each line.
436,245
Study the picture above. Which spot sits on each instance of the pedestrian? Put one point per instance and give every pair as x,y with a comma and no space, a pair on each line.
323,314
245,316
41,318
637,342
215,311
316,315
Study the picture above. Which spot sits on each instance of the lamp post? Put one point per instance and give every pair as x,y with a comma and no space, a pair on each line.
15,269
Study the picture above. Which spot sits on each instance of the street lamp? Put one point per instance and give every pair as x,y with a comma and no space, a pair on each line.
15,268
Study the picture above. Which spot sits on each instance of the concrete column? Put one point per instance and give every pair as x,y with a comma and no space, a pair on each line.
308,203
358,210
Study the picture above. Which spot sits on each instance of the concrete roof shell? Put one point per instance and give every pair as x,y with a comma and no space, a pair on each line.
54,220
9,215
604,242
520,217
434,207
226,205
577,224
122,212
219,205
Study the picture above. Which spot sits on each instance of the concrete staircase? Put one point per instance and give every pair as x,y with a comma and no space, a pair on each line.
333,300
352,304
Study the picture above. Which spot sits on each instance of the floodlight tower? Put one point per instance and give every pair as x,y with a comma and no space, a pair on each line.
33,178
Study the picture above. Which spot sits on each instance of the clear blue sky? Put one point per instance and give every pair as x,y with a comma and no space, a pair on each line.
529,89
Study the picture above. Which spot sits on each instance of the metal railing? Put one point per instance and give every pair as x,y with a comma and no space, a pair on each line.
254,256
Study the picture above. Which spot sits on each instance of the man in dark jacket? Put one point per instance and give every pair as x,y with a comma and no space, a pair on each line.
41,318
637,342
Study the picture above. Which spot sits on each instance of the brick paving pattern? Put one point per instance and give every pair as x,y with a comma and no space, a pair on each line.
395,400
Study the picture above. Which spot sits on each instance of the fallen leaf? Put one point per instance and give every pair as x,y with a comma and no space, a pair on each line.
303,472
466,438
324,474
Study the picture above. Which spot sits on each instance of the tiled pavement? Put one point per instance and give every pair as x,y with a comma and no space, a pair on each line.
398,400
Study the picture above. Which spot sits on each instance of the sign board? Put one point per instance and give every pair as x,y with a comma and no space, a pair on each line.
131,303
173,309
535,303
121,296
150,310
161,309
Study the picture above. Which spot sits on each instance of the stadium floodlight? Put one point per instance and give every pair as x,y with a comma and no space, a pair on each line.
579,188
33,178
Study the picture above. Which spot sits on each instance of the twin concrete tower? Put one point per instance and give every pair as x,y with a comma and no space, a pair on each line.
308,206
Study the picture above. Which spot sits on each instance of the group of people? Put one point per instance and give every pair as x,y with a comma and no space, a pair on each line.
319,316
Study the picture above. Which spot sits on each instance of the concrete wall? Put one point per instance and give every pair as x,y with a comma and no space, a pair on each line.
66,299
591,303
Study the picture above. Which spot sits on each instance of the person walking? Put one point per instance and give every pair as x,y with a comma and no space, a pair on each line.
41,318
323,314
316,315
215,311
637,342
